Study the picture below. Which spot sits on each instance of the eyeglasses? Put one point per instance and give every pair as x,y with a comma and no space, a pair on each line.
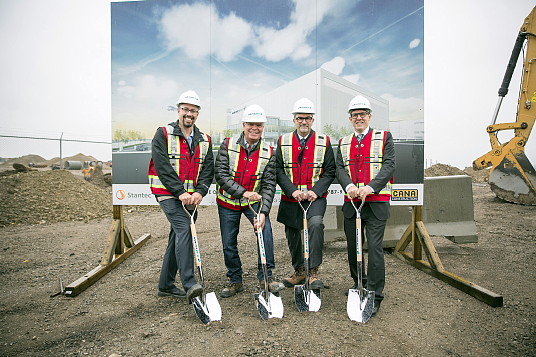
360,115
301,119
193,111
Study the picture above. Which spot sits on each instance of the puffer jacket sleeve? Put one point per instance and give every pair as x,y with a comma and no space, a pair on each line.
223,174
268,182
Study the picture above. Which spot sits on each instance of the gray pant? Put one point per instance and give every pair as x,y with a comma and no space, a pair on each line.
316,242
179,251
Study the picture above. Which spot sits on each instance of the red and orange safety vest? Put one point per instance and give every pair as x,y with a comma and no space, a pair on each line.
304,172
185,165
362,161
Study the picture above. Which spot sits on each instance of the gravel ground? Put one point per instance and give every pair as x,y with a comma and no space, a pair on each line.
121,315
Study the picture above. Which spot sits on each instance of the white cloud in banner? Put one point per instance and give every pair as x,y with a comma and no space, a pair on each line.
188,28
335,65
415,43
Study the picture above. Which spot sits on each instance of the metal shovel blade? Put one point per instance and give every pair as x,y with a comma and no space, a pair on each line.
307,299
360,309
269,308
208,311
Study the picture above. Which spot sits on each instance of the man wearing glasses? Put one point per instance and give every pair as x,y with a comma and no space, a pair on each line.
365,168
305,166
180,173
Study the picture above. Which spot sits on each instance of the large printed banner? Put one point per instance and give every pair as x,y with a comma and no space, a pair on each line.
271,53
140,194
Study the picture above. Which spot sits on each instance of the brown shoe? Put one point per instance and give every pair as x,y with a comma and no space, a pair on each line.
314,282
273,286
297,278
231,290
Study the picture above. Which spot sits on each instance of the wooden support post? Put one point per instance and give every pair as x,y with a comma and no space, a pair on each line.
119,247
418,235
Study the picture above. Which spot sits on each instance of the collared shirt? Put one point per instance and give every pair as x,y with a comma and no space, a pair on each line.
365,132
250,148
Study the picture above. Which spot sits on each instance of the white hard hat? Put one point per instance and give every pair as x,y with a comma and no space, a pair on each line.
303,105
189,97
254,114
359,102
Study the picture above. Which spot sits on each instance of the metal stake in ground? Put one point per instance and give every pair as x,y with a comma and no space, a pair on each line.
269,305
360,301
305,298
206,307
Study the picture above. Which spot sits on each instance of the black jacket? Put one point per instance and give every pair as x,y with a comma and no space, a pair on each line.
380,209
165,171
225,179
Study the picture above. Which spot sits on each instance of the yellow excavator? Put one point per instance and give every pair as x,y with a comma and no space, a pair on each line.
512,176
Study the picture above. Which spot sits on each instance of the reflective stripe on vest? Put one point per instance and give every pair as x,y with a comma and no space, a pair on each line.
235,152
375,158
291,164
177,153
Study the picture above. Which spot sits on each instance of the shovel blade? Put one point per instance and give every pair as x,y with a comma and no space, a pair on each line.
209,310
359,308
269,308
307,299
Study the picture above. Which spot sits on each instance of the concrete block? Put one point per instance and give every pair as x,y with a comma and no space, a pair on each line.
448,210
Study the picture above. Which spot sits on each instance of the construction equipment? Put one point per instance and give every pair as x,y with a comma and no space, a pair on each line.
268,304
360,301
91,169
512,176
306,299
206,307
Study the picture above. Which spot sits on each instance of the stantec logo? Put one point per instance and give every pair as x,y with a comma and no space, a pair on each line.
120,194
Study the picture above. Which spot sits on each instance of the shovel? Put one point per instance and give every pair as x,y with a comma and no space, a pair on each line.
206,307
360,301
306,299
268,304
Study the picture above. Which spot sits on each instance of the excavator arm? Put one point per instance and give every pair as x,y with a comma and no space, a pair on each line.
512,177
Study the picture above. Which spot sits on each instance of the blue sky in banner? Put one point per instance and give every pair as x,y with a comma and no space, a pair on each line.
233,51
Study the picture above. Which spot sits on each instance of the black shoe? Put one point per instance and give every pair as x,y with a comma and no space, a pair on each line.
231,290
376,308
353,287
194,292
174,291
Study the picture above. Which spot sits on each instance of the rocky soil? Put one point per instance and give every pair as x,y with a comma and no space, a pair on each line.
55,226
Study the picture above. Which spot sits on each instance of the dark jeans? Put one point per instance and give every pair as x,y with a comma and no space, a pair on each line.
179,251
229,228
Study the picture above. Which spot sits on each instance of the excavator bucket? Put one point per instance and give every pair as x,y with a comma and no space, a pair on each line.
514,179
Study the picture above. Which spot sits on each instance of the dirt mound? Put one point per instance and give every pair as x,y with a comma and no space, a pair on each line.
442,170
24,160
78,157
478,176
51,196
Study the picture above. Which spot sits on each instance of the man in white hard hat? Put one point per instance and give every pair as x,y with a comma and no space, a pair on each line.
305,166
180,173
245,173
365,168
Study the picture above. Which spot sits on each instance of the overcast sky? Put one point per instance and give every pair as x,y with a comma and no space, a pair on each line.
56,69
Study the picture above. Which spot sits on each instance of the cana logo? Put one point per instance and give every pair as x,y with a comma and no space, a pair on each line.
405,195
120,194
